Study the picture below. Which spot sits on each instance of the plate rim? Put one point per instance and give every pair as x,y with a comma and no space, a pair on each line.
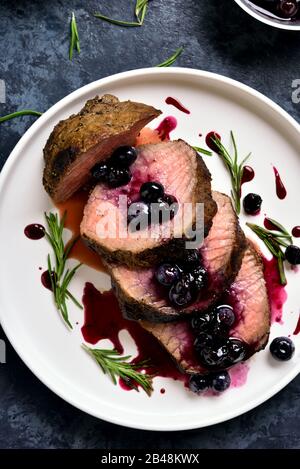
124,420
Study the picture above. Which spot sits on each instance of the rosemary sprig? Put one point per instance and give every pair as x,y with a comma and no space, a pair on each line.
168,62
203,150
115,365
234,167
24,112
74,41
139,11
60,276
274,240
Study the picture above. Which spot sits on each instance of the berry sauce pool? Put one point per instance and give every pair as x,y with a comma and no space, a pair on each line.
166,127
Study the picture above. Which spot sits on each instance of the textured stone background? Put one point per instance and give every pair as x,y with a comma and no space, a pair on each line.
219,37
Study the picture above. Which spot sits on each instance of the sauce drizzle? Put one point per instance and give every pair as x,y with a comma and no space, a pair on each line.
280,189
166,127
296,231
174,102
34,231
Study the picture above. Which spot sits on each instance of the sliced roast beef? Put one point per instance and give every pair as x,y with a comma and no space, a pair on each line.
247,295
183,175
79,142
142,298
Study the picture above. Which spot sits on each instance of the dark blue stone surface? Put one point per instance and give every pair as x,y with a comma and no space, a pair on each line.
218,36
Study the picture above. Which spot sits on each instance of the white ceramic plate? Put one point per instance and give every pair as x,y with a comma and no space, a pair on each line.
264,18
27,314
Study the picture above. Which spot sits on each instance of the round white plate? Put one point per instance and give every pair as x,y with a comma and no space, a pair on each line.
27,313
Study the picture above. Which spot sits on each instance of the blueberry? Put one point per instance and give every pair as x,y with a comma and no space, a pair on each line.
151,192
100,171
191,258
167,274
117,177
141,210
183,292
123,157
225,315
171,201
215,355
220,381
292,254
282,348
200,277
236,350
160,212
252,204
202,341
202,322
199,383
288,8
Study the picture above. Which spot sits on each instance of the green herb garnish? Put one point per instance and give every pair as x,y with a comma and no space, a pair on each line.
234,167
139,11
115,365
74,42
172,59
60,276
25,112
203,150
274,240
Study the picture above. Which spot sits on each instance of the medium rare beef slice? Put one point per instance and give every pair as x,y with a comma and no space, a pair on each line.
222,251
249,299
79,142
183,175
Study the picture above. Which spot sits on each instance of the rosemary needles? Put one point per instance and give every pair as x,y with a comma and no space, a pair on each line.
74,41
60,276
115,365
168,62
139,11
24,112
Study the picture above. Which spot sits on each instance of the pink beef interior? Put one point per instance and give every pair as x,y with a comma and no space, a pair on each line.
217,251
153,164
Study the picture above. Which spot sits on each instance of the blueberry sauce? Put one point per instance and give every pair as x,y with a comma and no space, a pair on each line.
238,374
162,391
46,280
248,174
296,231
297,329
103,320
209,141
288,10
269,225
34,231
174,102
276,292
74,208
166,127
280,188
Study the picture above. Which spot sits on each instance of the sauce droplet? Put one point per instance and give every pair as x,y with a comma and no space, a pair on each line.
280,189
269,225
297,330
209,140
296,232
34,231
248,174
174,102
166,127
46,280
162,391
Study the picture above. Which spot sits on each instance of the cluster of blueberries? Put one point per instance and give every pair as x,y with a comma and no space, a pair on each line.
183,279
115,171
154,206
